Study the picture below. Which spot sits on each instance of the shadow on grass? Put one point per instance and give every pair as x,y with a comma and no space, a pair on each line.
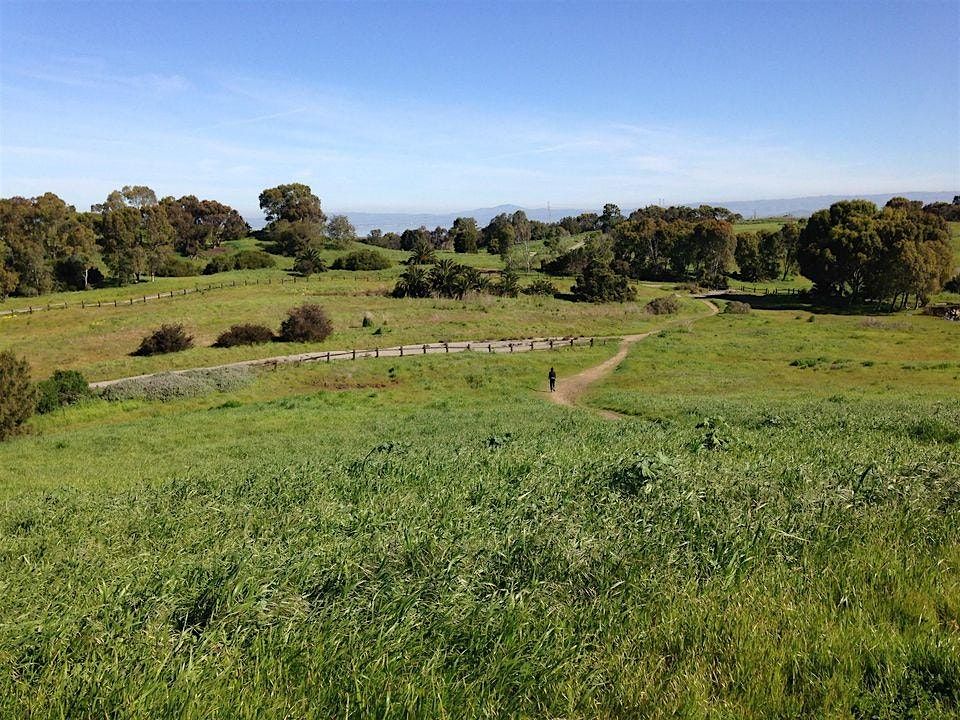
805,302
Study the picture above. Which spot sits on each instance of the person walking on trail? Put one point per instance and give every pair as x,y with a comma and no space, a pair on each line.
553,380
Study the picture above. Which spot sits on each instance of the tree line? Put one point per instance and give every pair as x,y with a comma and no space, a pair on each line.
852,252
46,244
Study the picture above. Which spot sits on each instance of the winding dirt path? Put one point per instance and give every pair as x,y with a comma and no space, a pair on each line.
570,389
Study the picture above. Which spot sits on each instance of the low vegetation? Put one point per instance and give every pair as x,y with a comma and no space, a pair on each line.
666,305
306,323
362,260
17,394
64,387
165,339
244,334
735,307
172,386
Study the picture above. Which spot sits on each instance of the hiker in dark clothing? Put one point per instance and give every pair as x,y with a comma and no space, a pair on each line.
553,380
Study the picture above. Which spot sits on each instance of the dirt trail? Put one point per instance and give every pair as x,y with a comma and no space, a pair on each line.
569,389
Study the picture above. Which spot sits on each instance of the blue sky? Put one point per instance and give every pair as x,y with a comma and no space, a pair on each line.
439,107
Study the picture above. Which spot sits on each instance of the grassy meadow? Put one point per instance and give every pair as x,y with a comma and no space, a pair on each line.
769,528
98,341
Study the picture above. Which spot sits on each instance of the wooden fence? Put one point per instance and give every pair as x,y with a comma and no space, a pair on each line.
771,291
133,300
488,346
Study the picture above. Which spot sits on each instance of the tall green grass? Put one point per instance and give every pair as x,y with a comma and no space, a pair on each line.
432,539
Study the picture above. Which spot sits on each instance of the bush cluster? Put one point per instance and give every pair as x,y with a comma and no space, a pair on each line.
244,334
953,285
734,307
362,260
310,261
166,339
171,386
666,305
17,394
242,260
306,323
64,387
176,266
540,286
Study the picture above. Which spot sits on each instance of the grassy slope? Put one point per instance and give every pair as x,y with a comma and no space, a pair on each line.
98,341
436,540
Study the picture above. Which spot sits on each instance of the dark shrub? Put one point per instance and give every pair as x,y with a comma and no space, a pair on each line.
362,260
253,260
307,266
735,307
306,323
167,339
246,334
17,394
64,387
69,273
667,305
953,285
175,266
541,286
95,277
219,264
714,282
569,263
507,286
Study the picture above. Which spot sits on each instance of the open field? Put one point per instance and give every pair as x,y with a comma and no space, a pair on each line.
98,341
757,225
752,516
429,537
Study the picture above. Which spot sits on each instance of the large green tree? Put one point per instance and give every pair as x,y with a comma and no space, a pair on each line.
294,202
135,233
856,252
340,232
202,224
465,235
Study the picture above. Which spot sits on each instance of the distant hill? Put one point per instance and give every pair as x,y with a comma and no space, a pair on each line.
398,222
805,206
798,207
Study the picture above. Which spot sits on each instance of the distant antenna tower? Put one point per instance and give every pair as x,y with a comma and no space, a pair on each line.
549,215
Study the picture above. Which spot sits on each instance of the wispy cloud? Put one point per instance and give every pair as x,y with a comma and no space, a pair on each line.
229,139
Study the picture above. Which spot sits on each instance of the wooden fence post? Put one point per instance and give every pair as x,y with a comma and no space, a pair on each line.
328,356
490,347
424,349
551,343
354,353
376,352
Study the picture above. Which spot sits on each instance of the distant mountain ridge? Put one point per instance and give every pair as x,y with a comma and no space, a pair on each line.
806,206
797,207
398,222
